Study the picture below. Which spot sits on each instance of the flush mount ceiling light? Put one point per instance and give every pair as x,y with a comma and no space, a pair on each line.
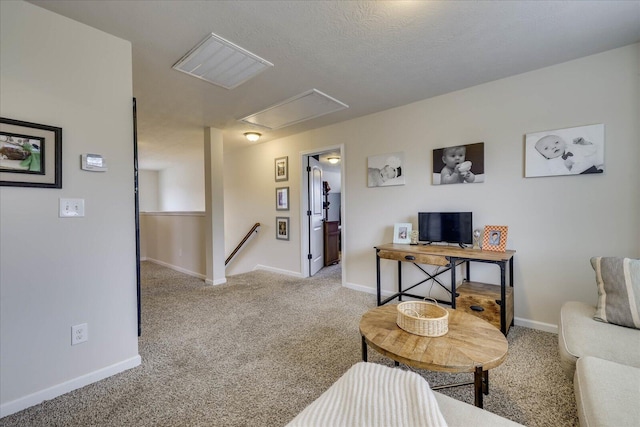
252,136
221,62
307,105
333,160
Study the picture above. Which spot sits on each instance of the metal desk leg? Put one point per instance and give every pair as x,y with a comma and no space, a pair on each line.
400,281
453,260
503,299
364,350
378,277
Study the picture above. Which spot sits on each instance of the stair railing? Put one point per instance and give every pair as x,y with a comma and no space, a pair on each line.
254,229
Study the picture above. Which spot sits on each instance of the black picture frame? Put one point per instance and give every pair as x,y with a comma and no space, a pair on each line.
30,154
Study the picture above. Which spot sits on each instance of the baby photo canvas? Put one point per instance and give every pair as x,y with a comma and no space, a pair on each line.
386,169
459,164
570,151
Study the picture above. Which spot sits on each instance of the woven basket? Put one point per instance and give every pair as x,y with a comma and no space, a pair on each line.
423,318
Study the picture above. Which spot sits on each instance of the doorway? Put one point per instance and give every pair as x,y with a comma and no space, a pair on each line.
322,211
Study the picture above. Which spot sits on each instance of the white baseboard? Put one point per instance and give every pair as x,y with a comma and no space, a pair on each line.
67,386
365,289
215,282
176,268
278,270
533,324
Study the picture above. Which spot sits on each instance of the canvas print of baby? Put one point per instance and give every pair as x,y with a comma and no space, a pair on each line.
571,151
384,170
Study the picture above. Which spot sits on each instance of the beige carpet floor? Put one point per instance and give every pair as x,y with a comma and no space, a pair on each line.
257,350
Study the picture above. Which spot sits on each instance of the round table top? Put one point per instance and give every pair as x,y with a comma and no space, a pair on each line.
470,342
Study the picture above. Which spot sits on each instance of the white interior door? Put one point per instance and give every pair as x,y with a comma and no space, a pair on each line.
316,218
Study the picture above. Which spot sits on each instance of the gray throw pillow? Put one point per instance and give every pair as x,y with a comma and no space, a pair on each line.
618,281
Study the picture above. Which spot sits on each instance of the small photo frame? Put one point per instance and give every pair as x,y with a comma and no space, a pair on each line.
282,228
402,233
282,168
30,154
495,238
282,199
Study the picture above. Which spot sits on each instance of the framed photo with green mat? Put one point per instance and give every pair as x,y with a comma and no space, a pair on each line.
30,154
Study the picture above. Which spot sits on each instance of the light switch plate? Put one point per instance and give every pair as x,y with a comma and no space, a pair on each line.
71,208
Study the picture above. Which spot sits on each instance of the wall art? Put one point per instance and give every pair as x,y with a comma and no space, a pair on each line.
458,164
571,151
30,154
385,170
282,228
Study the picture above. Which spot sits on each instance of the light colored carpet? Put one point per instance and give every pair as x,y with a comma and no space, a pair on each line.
257,350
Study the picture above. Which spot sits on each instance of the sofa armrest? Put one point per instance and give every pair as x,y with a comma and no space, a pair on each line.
580,335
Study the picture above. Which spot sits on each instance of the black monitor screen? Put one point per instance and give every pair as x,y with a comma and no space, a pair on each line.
451,227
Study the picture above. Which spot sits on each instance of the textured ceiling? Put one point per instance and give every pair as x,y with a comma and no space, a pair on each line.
371,55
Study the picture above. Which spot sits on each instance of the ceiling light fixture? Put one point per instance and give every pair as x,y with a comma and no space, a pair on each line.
252,136
333,160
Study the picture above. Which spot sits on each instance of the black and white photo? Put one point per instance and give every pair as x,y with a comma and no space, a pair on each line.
458,164
571,151
385,170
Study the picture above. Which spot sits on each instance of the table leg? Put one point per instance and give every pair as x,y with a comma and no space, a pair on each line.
477,381
485,382
364,350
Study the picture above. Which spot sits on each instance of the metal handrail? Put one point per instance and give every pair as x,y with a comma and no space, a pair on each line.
244,240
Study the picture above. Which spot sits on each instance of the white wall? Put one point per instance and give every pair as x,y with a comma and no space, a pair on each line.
176,240
54,272
181,186
148,190
555,223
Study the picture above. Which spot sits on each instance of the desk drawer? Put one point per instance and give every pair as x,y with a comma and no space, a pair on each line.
413,257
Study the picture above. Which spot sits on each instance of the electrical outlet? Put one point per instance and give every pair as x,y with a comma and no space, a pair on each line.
71,208
79,333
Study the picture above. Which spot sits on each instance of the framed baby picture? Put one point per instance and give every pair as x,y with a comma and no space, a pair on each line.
458,164
402,233
385,170
570,151
495,238
282,228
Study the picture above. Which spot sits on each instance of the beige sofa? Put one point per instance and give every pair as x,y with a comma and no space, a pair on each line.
600,346
374,395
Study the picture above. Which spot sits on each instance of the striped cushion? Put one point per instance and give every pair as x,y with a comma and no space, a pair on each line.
372,395
618,282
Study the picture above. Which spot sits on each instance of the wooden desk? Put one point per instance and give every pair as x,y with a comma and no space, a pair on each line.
470,345
450,257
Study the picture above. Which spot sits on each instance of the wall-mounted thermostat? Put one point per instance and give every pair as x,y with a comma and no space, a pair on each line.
94,163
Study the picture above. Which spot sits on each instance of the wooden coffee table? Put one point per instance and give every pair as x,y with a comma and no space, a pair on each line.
470,345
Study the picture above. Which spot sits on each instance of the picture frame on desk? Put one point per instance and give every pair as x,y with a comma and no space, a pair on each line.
402,233
495,238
